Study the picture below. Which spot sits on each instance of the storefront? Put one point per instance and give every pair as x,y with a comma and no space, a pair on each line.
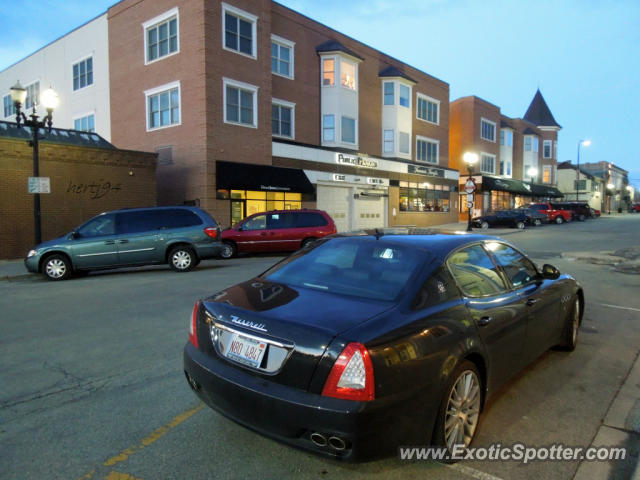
259,188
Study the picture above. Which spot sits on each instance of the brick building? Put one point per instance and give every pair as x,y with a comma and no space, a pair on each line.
517,157
87,174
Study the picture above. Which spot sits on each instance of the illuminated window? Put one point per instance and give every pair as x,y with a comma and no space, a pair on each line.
328,72
546,174
348,75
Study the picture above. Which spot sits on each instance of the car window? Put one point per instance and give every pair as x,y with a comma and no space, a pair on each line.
178,218
136,222
475,273
310,219
256,223
438,288
518,269
98,226
280,220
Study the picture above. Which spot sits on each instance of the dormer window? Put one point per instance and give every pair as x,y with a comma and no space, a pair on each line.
348,74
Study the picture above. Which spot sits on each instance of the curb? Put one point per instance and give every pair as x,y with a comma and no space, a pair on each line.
9,278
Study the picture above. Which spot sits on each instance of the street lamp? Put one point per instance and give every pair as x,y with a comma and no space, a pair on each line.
586,143
610,187
470,159
49,101
533,173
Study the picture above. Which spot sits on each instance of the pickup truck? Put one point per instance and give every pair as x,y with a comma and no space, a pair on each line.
554,214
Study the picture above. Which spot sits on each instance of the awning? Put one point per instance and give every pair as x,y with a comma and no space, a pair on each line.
506,185
246,176
546,191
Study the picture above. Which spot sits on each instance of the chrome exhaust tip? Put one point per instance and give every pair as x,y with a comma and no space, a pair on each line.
319,439
337,443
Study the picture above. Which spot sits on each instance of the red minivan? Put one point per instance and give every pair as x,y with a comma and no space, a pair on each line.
276,231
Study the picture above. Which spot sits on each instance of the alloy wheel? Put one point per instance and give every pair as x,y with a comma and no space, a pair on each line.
463,410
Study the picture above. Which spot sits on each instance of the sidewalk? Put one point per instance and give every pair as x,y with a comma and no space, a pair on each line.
13,270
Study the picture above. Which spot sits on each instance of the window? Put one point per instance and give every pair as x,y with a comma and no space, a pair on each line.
546,174
309,219
475,273
546,148
256,223
488,164
239,30
428,109
518,269
328,72
85,124
9,107
83,74
241,103
488,130
33,95
555,149
98,226
505,168
527,144
438,288
388,93
163,106
427,150
387,141
404,140
161,35
405,96
580,184
328,128
348,74
535,144
506,137
424,197
282,118
348,130
281,56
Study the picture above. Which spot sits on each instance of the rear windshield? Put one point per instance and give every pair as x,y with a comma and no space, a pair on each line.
359,267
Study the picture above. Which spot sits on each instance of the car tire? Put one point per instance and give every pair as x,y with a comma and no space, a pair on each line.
571,327
537,222
464,388
582,218
56,267
307,241
484,225
559,219
520,225
182,258
229,250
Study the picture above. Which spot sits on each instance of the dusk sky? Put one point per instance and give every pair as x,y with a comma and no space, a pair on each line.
582,54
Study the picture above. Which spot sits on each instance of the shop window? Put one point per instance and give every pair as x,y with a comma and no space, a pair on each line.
424,198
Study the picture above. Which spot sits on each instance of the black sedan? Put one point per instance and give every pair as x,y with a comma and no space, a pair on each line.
360,343
534,217
501,218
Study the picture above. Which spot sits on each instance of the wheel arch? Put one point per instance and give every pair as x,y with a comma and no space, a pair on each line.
46,255
580,294
178,243
478,360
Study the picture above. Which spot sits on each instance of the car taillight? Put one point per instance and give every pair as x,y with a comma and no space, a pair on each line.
351,377
193,328
211,231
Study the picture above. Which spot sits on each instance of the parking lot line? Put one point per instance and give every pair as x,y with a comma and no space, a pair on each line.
621,308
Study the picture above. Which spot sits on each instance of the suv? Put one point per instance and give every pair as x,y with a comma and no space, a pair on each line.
180,236
276,231
555,214
579,210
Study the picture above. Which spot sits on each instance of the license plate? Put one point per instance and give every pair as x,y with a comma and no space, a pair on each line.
245,350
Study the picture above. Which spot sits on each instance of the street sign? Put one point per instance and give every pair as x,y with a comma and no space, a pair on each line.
470,197
469,205
39,185
470,186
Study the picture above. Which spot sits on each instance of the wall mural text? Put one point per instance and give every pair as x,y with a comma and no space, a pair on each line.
94,190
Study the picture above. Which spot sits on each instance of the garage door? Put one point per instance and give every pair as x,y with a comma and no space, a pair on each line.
335,201
369,212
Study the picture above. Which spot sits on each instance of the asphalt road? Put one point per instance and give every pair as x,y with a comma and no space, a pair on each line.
91,384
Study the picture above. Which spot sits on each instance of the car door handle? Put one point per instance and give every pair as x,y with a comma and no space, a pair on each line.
110,242
123,241
484,321
532,301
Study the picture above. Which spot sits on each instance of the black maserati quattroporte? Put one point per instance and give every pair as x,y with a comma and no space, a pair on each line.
357,344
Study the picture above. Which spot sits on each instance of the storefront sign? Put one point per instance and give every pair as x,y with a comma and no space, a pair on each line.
375,181
356,161
429,171
271,187
339,178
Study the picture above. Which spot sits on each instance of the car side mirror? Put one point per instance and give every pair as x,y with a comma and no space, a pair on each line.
550,272
74,235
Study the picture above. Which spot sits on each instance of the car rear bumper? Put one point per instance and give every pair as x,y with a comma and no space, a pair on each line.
290,415
209,250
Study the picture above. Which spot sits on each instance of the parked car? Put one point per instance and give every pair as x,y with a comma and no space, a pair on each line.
595,213
557,215
635,207
501,218
180,236
579,210
361,343
534,217
276,231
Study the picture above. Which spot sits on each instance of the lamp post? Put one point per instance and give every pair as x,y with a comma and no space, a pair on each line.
49,101
586,143
610,187
470,159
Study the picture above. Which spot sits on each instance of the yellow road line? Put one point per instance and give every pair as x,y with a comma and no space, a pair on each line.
119,476
157,434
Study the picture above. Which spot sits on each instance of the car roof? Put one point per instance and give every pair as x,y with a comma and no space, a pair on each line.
142,209
439,243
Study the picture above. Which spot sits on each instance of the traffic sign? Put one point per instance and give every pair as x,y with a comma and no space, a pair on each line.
39,185
470,186
469,204
470,197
